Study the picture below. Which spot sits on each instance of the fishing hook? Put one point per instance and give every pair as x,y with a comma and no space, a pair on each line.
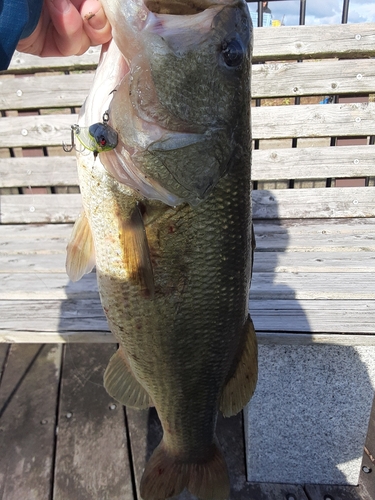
69,147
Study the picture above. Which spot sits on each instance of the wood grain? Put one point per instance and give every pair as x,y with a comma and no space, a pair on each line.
28,423
91,453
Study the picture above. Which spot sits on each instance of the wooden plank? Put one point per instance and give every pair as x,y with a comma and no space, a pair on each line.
60,321
282,235
27,63
328,316
304,286
28,209
313,78
269,122
291,42
41,171
319,203
315,42
312,163
313,120
284,262
36,130
314,203
92,453
28,398
4,349
264,285
268,164
315,235
268,80
39,92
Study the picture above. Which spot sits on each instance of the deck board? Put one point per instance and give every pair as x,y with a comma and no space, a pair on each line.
92,459
28,398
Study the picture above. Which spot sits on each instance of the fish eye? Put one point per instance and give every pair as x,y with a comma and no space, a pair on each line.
232,52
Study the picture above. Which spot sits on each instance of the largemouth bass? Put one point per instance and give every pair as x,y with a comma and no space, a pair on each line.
165,179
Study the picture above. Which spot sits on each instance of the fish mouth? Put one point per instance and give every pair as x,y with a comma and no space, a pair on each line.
174,8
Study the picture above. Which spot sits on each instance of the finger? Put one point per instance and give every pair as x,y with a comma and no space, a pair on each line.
68,32
95,22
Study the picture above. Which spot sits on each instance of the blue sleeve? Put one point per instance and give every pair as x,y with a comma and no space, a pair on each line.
18,19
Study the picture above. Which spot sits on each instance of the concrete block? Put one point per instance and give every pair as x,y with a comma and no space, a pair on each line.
308,419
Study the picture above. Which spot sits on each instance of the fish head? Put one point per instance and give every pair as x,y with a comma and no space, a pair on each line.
181,107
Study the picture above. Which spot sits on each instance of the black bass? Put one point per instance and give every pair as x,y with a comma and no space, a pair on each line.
164,169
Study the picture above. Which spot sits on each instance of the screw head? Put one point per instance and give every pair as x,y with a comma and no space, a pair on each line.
366,469
112,406
69,414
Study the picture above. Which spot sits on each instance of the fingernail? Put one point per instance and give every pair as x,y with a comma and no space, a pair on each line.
61,5
96,20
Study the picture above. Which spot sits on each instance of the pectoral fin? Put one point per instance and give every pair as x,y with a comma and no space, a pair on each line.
80,257
121,384
136,252
240,387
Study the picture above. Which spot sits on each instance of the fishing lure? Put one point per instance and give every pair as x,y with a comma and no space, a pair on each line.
98,137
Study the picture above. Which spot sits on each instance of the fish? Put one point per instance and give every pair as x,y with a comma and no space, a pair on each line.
164,165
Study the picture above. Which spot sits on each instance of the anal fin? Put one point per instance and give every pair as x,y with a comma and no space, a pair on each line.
241,386
121,384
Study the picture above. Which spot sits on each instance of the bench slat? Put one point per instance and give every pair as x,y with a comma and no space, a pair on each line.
38,92
75,317
268,80
269,122
274,237
268,164
313,120
270,285
268,204
317,78
315,42
313,163
286,262
292,42
39,171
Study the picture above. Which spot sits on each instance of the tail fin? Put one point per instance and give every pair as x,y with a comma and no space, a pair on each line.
165,476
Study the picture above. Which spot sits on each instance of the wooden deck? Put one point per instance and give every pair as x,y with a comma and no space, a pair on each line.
64,438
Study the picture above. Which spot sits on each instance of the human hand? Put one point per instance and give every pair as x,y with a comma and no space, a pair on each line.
67,27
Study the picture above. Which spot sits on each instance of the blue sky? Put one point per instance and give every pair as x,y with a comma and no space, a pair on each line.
321,11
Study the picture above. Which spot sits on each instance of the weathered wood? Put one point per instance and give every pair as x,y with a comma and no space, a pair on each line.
313,163
26,63
313,120
291,42
269,122
92,452
268,80
297,203
36,130
4,349
39,92
318,78
267,261
314,203
40,171
314,42
28,398
269,164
